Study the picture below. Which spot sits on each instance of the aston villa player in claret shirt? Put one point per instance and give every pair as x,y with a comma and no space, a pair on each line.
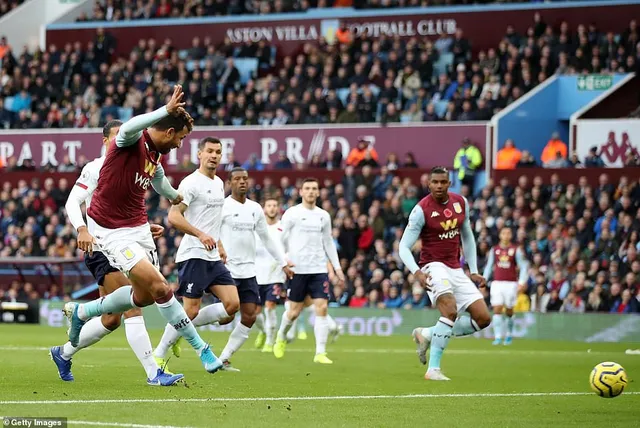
441,222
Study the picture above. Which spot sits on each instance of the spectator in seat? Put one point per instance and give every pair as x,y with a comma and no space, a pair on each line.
540,299
573,304
467,160
557,162
343,34
626,304
527,161
410,161
550,151
283,161
357,154
508,156
253,163
593,160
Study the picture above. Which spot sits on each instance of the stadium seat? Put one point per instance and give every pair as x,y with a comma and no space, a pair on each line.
247,67
342,94
125,113
441,107
443,63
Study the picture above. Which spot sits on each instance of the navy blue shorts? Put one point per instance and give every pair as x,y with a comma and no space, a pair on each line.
98,265
248,290
196,276
302,285
270,293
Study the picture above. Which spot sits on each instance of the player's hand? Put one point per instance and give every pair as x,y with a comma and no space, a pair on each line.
287,270
424,279
157,231
341,278
223,254
85,240
208,242
177,200
176,102
478,279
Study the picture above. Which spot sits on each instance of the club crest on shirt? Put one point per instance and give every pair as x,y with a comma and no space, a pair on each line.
127,253
435,214
457,207
447,213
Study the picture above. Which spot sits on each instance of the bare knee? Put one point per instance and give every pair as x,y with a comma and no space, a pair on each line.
132,313
111,321
509,312
248,319
483,319
447,306
321,307
294,310
159,289
232,306
270,305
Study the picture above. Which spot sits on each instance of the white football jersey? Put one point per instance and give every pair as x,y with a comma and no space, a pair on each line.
88,179
240,225
307,239
204,198
267,269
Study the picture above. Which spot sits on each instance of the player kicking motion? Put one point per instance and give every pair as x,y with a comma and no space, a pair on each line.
441,221
308,242
117,221
505,260
109,279
270,280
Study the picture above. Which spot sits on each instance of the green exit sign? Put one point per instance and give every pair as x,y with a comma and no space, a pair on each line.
594,82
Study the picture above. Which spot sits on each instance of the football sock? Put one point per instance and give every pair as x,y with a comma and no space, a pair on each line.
172,311
496,321
271,323
238,336
440,335
285,326
169,337
304,316
119,301
331,323
139,341
321,331
510,322
210,314
91,333
465,326
259,324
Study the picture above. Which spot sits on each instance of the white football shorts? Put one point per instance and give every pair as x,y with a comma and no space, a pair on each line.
504,293
445,280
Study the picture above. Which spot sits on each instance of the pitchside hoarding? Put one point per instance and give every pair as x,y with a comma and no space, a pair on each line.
385,322
613,138
431,144
484,26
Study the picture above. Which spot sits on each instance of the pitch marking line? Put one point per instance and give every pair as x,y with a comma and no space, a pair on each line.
114,424
363,351
304,398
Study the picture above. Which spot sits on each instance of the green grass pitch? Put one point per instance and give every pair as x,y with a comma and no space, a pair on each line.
374,382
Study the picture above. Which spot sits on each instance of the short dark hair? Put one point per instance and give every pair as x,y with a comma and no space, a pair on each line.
271,198
106,130
177,121
236,169
310,180
205,140
439,170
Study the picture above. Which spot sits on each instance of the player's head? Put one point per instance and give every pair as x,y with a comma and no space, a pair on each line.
506,235
239,181
271,208
209,153
110,130
310,190
439,182
171,130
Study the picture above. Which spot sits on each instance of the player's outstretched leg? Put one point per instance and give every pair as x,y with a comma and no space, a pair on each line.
321,331
239,335
288,318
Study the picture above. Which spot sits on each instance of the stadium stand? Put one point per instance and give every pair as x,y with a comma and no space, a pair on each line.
582,242
8,5
385,80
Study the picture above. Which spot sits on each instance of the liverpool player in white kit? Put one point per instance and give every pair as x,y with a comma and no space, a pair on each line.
441,222
109,279
270,280
242,220
505,260
309,244
117,220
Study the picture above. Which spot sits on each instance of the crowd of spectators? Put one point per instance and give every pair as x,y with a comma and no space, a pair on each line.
7,6
386,80
582,242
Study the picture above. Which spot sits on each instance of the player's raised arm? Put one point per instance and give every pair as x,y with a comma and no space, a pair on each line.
161,185
409,237
489,266
523,266
131,131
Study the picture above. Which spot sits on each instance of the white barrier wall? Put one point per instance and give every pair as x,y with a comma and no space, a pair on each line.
613,138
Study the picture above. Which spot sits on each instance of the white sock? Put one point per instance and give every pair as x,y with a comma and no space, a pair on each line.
139,341
301,322
238,336
210,314
497,325
259,324
169,337
321,331
333,325
509,321
91,333
270,325
285,326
